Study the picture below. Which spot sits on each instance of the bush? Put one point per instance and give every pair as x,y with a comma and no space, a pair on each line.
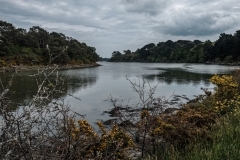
228,59
226,96
2,63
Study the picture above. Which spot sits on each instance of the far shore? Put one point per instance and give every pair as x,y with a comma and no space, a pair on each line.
237,63
19,68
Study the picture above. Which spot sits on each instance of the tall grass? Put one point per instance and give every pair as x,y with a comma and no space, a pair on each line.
225,143
226,140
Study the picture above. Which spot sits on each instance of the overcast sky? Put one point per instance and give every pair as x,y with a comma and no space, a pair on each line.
117,25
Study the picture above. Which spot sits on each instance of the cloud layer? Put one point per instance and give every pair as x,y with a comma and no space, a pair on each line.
126,24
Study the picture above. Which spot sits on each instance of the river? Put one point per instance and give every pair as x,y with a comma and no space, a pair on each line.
94,86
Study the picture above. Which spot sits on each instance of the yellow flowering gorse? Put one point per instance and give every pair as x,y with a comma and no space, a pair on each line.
226,95
110,143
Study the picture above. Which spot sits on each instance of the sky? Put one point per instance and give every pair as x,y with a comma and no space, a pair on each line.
117,25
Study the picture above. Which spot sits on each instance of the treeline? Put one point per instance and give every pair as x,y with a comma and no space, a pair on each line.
37,46
224,50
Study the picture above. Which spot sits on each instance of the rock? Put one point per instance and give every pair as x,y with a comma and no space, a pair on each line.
126,123
115,112
110,121
170,111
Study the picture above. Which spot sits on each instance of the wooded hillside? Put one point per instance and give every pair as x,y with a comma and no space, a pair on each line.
224,50
36,46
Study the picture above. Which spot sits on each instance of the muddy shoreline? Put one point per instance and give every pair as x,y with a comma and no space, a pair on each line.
22,68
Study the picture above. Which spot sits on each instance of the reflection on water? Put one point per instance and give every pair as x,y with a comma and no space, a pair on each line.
24,85
95,85
178,76
78,82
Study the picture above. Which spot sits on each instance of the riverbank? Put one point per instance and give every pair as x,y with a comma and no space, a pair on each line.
21,68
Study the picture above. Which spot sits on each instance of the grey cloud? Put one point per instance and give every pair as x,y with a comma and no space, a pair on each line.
151,7
189,22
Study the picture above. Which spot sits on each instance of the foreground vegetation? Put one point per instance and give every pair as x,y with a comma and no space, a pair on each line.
224,50
205,128
222,141
22,47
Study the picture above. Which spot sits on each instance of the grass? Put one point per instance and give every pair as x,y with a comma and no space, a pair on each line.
225,143
226,138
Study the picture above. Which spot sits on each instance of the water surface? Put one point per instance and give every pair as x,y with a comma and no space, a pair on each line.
95,85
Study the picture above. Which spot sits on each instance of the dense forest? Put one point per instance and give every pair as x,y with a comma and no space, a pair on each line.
224,50
37,46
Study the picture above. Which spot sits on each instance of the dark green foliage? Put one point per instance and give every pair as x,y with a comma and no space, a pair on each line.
19,46
116,56
224,50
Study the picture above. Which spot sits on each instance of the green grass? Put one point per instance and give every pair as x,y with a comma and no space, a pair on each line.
225,143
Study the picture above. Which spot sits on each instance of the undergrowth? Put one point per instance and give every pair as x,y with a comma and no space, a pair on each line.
219,114
225,135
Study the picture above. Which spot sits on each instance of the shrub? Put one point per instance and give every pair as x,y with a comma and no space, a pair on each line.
226,96
109,144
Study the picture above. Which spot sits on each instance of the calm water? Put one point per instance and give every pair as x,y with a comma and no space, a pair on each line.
95,85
